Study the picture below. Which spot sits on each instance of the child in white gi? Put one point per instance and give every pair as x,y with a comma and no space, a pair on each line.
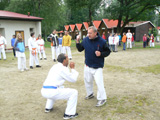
41,48
19,46
33,48
3,44
53,89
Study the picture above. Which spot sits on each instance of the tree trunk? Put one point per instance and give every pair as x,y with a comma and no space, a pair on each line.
90,17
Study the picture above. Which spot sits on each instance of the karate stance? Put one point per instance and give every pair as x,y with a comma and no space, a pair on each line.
66,43
33,48
19,46
95,50
3,44
53,89
41,49
129,39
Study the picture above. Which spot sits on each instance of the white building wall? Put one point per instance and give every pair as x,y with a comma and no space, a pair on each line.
10,26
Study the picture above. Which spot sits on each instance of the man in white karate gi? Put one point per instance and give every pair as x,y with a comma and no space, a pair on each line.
3,44
129,39
53,89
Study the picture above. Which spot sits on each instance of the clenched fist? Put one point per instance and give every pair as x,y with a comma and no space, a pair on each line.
72,65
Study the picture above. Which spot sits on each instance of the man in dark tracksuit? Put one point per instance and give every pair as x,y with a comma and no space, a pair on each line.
95,50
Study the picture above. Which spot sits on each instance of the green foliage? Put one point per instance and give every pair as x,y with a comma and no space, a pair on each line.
127,10
154,31
4,4
53,12
86,6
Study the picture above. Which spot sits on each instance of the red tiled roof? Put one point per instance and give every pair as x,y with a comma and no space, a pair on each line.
66,27
13,15
85,25
72,27
110,23
60,31
79,26
158,28
96,23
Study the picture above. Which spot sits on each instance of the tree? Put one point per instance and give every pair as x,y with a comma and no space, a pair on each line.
90,5
128,10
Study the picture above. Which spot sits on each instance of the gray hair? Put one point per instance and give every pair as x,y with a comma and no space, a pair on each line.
61,57
93,28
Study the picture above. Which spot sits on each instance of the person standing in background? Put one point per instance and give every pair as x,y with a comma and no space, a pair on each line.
116,42
60,43
120,39
144,41
3,45
41,48
66,43
33,48
54,45
13,40
133,39
19,46
129,39
110,41
152,41
104,36
124,38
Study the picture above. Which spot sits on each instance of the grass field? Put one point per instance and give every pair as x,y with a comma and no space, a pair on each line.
131,80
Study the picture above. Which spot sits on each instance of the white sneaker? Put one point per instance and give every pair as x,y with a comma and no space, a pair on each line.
101,103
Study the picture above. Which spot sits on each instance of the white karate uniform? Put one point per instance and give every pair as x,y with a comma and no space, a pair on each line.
129,40
151,43
56,77
41,49
3,42
89,75
33,47
55,49
116,43
67,49
21,60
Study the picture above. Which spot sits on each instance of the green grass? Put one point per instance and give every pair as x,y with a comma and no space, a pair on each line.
155,69
126,105
114,68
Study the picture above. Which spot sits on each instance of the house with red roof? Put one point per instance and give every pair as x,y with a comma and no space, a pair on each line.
84,29
96,23
107,26
66,27
72,31
139,28
78,27
12,23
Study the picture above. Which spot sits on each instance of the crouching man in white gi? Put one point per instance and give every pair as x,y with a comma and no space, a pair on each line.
53,89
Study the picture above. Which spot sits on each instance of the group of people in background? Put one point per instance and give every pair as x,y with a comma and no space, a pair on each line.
114,40
60,44
148,40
